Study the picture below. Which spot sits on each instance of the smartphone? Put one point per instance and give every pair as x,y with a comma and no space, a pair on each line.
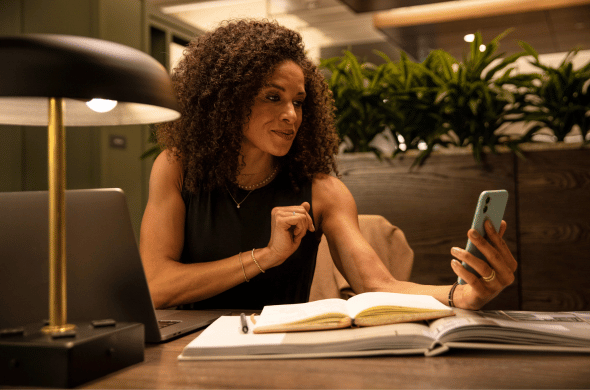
490,205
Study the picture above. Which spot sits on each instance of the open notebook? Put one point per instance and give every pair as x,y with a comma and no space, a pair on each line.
105,277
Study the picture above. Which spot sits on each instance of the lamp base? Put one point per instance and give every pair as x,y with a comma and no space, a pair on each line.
30,357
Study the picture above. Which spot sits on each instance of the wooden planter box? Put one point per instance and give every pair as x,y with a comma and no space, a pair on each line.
548,216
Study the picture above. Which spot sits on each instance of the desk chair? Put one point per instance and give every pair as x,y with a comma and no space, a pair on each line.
387,240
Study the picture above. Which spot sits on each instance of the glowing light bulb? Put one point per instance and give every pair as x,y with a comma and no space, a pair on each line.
482,48
469,37
101,105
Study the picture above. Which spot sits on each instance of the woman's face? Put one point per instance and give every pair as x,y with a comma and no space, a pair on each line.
277,111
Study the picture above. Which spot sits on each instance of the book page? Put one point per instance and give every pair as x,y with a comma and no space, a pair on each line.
224,339
515,327
292,313
226,334
386,300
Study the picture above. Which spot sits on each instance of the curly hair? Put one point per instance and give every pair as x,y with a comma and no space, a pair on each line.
216,83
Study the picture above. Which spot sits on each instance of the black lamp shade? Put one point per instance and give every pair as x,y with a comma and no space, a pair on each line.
39,66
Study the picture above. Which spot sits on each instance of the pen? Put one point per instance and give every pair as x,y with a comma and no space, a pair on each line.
244,323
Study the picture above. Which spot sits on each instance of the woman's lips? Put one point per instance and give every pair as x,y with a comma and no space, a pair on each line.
285,134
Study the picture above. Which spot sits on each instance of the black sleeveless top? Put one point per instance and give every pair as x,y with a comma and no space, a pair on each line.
216,229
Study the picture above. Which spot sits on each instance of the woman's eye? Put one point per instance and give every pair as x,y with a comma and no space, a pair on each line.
298,103
273,98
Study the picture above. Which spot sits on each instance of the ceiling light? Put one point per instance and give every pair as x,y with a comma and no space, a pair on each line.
447,11
469,37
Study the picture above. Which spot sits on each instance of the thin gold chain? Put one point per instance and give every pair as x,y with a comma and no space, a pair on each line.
254,186
235,201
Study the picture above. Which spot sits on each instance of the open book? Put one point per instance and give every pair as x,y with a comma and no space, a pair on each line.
507,330
367,309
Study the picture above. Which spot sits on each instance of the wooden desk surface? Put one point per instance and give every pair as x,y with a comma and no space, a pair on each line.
455,369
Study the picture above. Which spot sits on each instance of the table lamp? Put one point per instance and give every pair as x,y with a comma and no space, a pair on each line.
57,81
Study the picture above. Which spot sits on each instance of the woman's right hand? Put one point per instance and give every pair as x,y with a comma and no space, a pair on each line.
289,224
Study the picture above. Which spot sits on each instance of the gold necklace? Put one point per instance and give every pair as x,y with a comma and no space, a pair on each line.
263,182
253,187
235,201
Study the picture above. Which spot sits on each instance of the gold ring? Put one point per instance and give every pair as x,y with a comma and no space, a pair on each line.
491,277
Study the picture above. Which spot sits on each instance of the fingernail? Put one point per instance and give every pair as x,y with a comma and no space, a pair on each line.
474,234
455,263
455,250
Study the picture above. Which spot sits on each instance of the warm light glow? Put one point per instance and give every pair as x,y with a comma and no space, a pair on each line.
482,48
469,37
101,105
451,10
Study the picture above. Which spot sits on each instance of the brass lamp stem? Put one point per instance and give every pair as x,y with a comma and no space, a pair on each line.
57,219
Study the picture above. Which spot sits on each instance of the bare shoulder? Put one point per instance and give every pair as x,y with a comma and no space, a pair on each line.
168,161
331,198
167,170
326,187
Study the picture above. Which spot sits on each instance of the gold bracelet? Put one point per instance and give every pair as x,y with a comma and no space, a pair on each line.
451,301
243,269
255,262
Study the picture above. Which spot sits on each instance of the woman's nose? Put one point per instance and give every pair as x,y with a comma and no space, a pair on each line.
288,113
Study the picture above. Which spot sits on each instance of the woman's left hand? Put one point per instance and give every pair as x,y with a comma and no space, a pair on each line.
496,275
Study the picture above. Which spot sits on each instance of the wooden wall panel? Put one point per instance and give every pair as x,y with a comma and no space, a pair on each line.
433,205
554,203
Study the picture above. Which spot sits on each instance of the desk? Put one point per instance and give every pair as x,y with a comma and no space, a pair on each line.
455,369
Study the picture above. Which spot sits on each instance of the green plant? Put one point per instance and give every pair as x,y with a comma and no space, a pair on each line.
370,99
438,102
356,90
558,99
478,96
413,110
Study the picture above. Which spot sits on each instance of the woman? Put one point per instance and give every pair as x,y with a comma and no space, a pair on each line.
242,194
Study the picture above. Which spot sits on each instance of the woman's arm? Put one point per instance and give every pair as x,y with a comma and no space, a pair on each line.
360,265
162,238
161,241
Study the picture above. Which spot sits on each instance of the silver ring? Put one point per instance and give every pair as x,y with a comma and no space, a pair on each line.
491,277
293,213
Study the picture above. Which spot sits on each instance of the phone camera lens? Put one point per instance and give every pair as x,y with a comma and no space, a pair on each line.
488,200
485,209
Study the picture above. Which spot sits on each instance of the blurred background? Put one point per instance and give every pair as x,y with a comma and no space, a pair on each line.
110,156
329,26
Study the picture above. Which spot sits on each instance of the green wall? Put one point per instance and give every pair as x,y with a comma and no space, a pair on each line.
91,161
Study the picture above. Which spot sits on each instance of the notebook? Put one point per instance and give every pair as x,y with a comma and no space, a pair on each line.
105,277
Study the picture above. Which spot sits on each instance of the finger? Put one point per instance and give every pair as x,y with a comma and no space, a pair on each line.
304,210
464,274
297,223
500,263
492,234
486,248
307,208
503,227
479,265
500,245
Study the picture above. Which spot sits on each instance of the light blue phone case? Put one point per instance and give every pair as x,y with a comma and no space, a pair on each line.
491,205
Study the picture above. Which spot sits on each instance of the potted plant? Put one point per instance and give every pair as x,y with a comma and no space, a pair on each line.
454,112
438,102
356,90
557,98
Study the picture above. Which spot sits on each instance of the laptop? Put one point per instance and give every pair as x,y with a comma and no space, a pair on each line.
105,276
